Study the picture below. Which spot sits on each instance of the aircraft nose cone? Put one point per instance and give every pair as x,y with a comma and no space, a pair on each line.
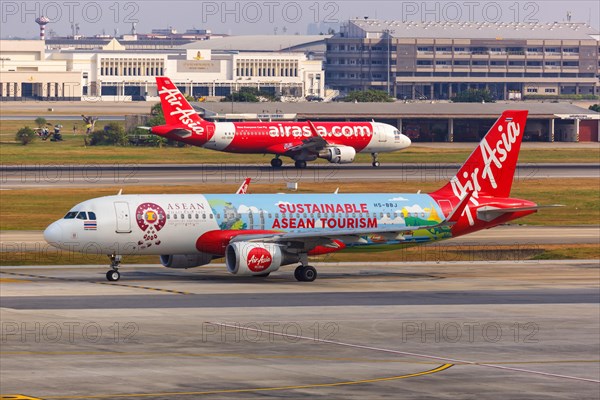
406,142
54,233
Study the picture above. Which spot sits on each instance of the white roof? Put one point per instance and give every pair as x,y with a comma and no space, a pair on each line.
478,30
261,43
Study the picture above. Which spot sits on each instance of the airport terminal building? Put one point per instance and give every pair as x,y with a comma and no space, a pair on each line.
201,69
436,60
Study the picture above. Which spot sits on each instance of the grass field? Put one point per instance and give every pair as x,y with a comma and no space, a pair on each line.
73,151
34,209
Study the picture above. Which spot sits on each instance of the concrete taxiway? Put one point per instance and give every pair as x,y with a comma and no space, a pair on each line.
56,176
497,330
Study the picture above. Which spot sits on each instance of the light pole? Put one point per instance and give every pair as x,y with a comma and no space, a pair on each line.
388,32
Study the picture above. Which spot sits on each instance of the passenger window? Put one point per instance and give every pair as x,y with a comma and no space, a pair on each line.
182,216
82,215
71,215
203,216
174,216
197,216
91,215
210,216
189,216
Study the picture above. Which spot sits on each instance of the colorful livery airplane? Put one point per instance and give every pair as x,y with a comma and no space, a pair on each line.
259,233
336,142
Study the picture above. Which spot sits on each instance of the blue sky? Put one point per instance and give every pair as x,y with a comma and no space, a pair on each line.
269,16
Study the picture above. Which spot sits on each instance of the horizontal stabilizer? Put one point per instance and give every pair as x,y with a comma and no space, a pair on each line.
489,213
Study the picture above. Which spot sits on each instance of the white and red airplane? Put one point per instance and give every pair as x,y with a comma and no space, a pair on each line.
336,142
259,233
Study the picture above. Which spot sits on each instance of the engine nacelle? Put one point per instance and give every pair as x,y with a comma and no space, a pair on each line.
245,258
185,260
338,154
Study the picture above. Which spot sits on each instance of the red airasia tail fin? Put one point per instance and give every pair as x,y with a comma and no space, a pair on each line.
490,169
176,109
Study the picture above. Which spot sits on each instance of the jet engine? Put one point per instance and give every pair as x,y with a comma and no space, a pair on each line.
185,260
338,154
245,258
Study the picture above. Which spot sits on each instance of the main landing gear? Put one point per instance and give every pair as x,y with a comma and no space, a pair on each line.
300,164
304,272
375,161
113,274
276,162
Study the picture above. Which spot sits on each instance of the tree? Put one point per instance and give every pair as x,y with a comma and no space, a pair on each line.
112,134
25,135
368,96
40,121
158,117
250,95
474,96
595,107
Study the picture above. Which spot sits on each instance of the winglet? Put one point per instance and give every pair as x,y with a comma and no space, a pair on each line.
313,129
460,207
243,189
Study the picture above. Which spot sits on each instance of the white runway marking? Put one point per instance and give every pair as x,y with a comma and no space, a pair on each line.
405,353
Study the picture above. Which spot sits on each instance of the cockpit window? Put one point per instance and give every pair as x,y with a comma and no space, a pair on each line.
91,215
82,215
71,215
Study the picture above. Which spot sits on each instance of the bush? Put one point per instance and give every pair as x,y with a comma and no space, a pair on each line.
112,134
474,96
595,107
250,95
25,135
40,121
368,96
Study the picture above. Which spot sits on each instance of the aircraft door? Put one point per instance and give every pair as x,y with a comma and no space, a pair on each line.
210,133
380,132
123,217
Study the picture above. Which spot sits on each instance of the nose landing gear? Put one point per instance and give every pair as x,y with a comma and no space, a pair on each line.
375,160
113,274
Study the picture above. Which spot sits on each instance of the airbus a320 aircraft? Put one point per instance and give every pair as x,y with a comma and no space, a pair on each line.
259,233
336,142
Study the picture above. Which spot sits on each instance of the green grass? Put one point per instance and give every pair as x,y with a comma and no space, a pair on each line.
433,253
73,151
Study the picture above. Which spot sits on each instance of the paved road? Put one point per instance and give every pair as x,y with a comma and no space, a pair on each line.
39,176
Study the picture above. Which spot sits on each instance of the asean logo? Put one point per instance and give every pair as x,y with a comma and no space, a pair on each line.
258,259
151,218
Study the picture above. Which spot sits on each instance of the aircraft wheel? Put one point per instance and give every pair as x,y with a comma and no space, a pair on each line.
113,275
376,164
305,273
300,164
276,163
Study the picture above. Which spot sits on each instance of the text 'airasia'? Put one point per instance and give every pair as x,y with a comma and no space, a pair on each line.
336,142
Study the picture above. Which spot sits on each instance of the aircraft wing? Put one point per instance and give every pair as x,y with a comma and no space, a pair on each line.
309,240
311,144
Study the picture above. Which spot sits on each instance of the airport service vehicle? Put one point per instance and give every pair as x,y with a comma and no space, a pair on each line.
259,233
336,142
